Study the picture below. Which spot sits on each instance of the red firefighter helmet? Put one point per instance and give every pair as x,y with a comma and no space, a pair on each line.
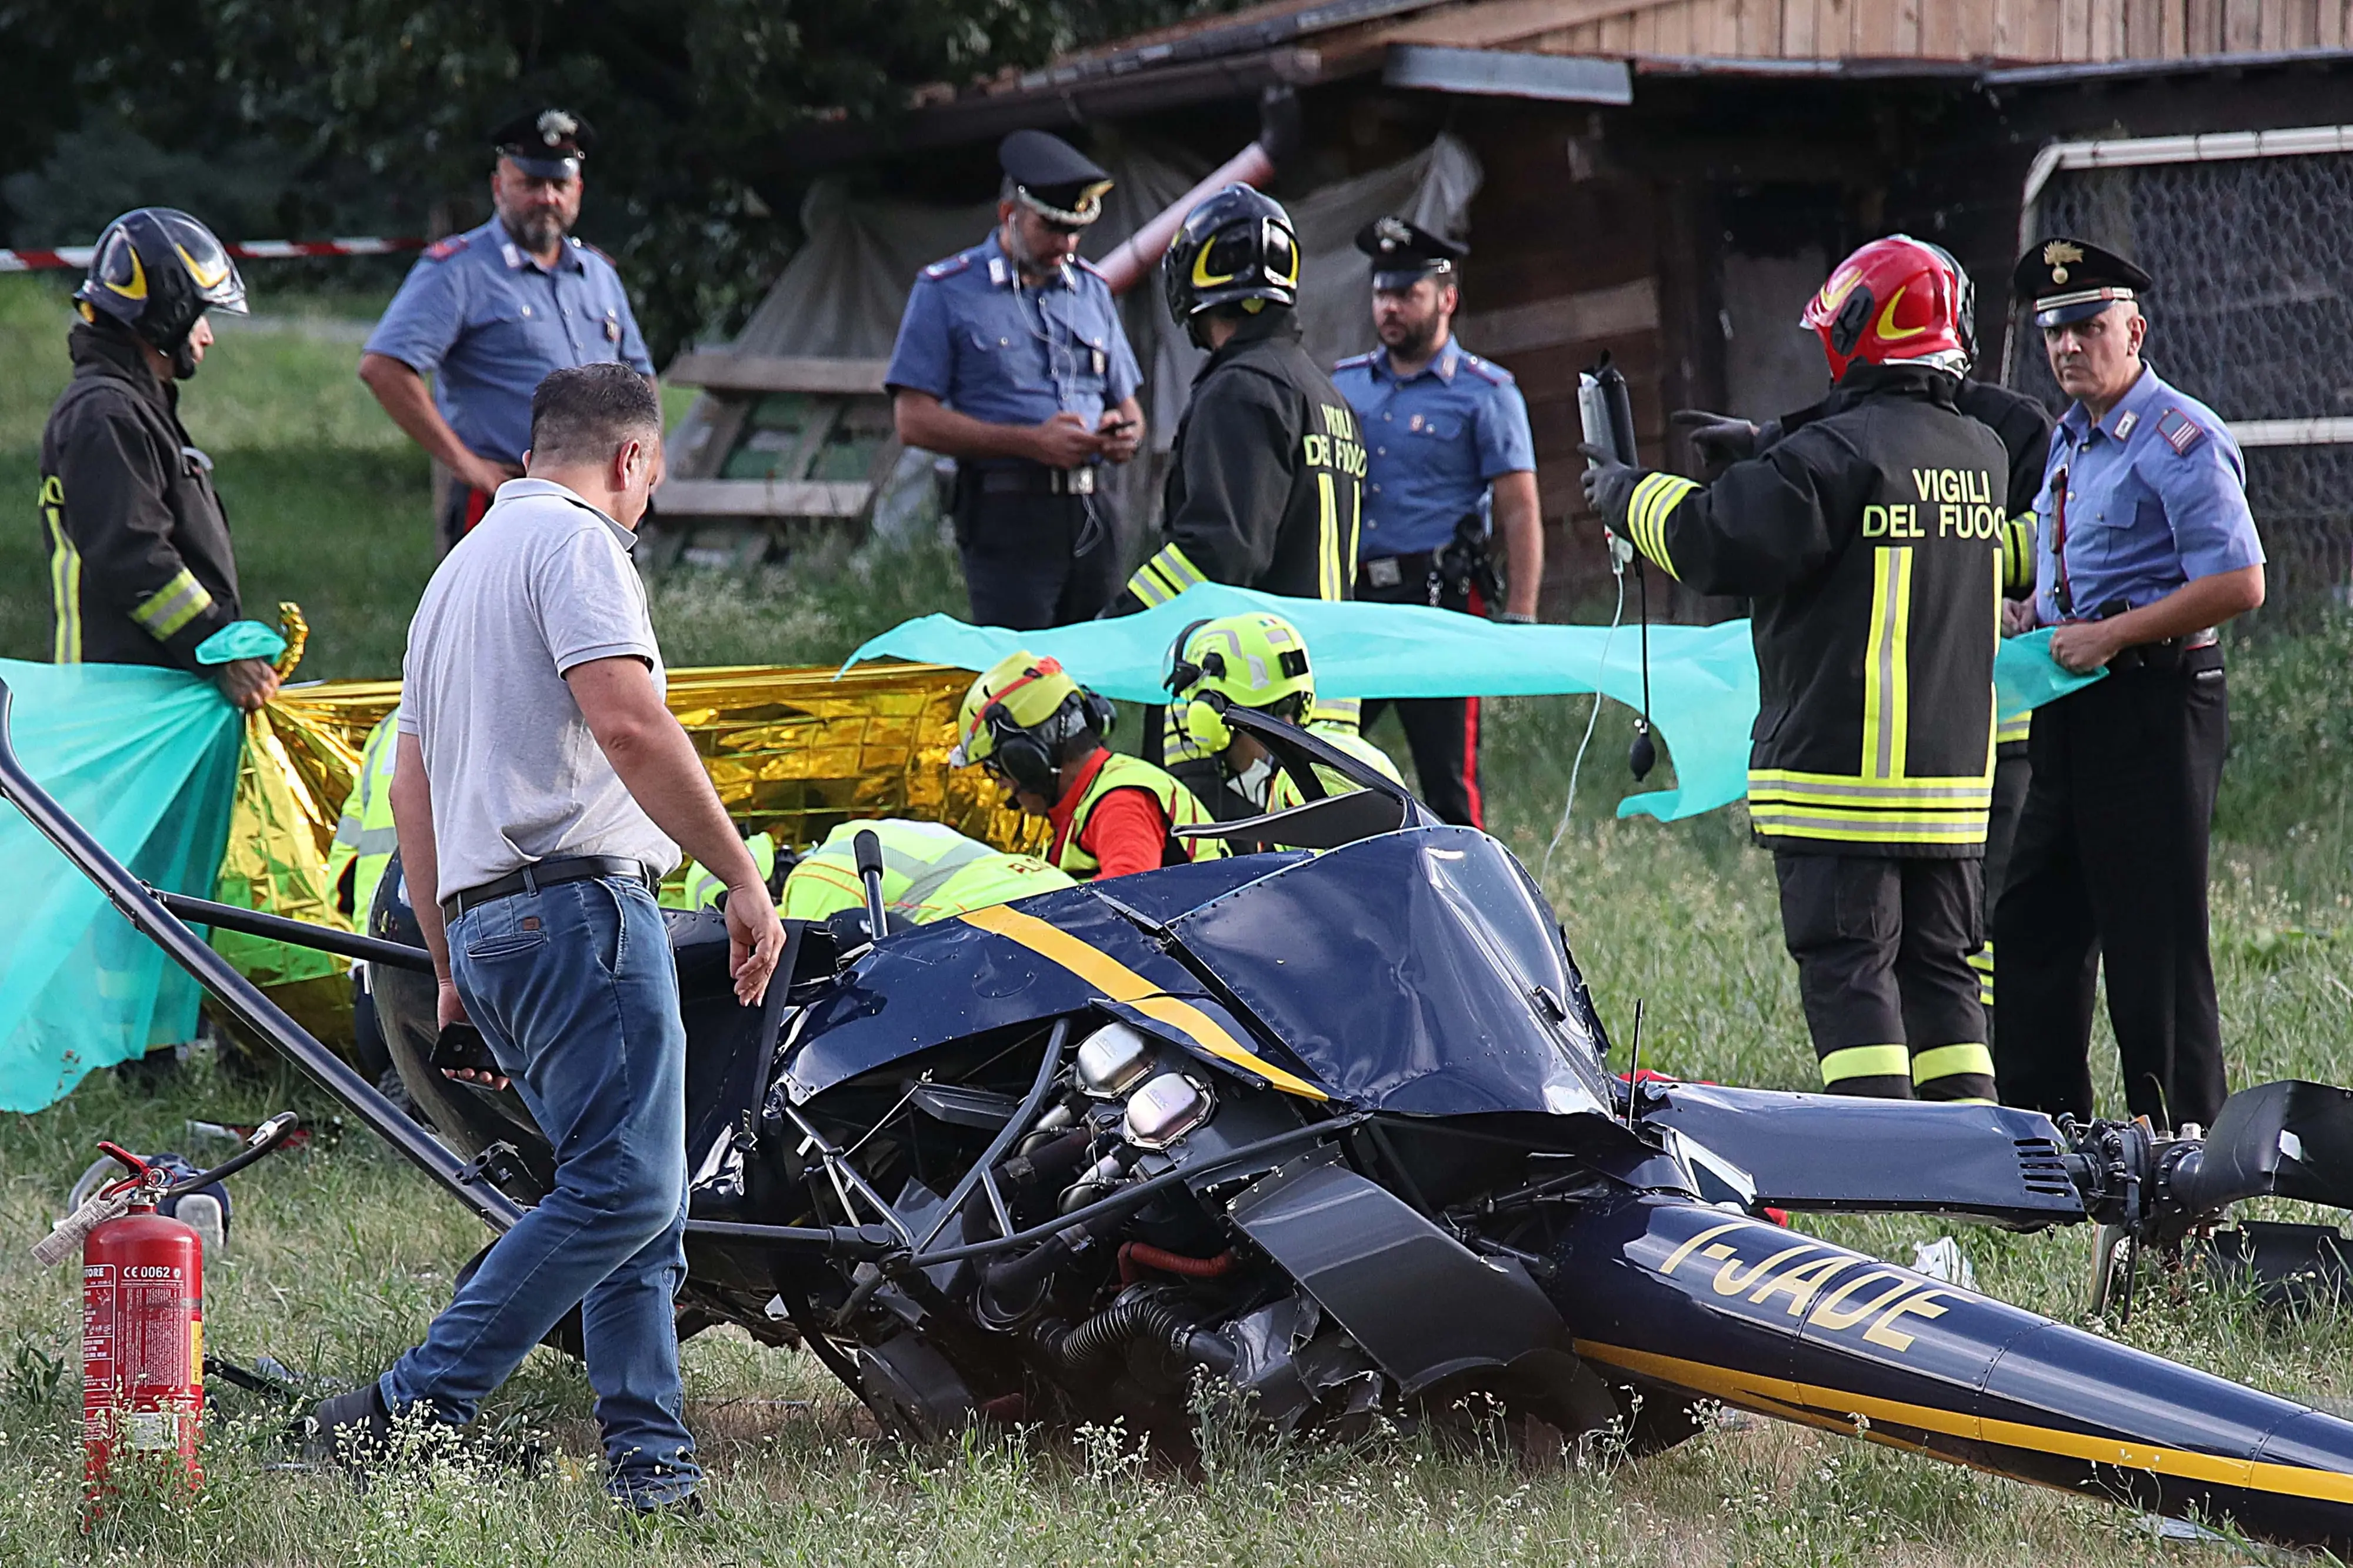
1892,299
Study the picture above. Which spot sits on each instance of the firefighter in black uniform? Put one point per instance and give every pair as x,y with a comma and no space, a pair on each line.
1867,539
1263,480
2025,426
141,570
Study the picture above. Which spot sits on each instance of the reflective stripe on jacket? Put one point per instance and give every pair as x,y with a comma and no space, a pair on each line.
701,886
141,570
1176,803
1285,792
364,835
1265,478
930,872
1868,539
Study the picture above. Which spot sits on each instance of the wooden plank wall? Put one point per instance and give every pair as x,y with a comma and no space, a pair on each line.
1562,269
2017,31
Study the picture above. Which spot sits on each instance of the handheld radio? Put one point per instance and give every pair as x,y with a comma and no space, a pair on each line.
1606,408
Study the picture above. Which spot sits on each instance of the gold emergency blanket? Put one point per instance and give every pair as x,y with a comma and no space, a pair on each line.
793,752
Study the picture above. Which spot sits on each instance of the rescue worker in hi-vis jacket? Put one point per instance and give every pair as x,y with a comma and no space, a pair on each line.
1256,661
1868,540
1040,734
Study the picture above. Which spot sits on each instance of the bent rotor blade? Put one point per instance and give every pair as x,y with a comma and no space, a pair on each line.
2290,1139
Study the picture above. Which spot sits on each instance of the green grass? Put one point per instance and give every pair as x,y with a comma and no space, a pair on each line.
341,1255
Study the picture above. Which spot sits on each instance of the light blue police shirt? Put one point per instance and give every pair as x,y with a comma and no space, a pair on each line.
1436,441
488,323
2152,496
996,351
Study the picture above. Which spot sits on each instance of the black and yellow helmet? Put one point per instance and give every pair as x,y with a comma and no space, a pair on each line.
1237,247
155,270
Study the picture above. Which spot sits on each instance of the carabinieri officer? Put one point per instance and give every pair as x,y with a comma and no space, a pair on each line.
1450,463
1011,360
2145,546
489,312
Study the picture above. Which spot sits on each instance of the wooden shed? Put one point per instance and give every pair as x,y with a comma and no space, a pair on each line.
1667,181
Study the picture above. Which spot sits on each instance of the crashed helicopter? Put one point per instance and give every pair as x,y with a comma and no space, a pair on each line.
1334,1134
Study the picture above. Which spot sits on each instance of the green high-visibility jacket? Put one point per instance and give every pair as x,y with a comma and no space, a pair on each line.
930,872
365,834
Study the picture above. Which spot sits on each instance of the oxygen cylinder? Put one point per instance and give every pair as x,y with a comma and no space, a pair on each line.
142,1343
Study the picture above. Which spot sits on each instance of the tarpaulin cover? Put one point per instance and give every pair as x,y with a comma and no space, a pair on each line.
147,760
794,753
151,760
847,285
290,785
1703,678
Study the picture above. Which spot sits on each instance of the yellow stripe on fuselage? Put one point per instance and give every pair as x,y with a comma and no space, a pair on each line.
1120,983
1762,1391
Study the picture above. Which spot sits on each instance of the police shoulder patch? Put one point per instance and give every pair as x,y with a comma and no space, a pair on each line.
1356,361
596,252
1485,370
443,250
1087,267
949,268
2181,432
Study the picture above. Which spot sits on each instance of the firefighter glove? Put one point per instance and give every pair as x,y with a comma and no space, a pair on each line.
1718,438
1609,486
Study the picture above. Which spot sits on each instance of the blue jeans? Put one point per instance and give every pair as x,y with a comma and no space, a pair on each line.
574,988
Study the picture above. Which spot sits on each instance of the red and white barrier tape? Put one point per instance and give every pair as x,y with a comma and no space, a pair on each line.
77,256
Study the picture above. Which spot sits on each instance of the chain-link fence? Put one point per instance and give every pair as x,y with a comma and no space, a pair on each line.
2252,313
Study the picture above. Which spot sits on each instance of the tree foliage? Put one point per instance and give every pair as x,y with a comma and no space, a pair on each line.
316,116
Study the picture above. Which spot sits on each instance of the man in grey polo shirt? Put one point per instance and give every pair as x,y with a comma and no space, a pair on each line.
541,789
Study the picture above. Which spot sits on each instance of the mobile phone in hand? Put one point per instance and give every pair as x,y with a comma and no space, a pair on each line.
461,1048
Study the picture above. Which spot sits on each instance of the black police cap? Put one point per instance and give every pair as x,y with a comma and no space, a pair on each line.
547,143
1052,178
2072,281
1404,253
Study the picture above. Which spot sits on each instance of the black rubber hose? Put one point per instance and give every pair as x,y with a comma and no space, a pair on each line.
1015,1278
1049,1063
265,1140
1048,1161
1095,1345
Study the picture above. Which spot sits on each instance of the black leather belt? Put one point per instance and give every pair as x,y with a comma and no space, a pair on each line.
547,874
1413,570
1036,480
2171,654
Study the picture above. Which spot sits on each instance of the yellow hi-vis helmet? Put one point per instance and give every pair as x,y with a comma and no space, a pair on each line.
1255,659
1020,713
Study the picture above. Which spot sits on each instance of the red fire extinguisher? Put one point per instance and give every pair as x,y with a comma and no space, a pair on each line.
143,1315
143,1335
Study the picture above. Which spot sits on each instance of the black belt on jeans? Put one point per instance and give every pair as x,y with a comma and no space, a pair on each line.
547,874
1035,479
